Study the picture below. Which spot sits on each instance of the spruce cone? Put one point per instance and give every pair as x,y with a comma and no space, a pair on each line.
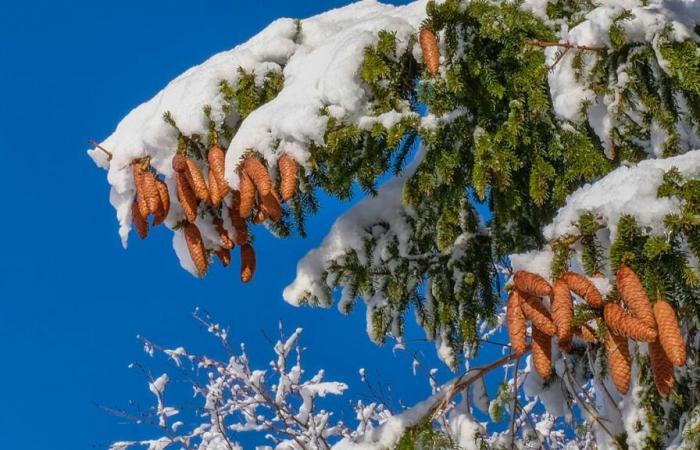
224,240
531,284
661,368
151,192
224,256
195,246
260,217
670,336
141,197
239,224
542,353
216,158
197,181
635,296
179,163
247,195
619,361
583,287
271,205
247,263
562,312
619,322
586,333
431,52
214,192
517,328
537,313
140,222
164,208
258,174
288,176
187,197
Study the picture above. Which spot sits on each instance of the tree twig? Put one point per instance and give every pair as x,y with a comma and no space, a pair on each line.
566,45
98,146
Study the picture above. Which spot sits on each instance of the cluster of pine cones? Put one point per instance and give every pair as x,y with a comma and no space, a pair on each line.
255,195
638,320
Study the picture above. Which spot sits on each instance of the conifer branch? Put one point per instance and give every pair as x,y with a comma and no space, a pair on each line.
98,146
567,45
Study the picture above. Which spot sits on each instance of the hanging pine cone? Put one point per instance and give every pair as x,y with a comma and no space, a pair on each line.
187,197
288,176
197,181
140,222
517,327
542,353
619,361
583,287
562,312
260,217
635,296
214,192
179,163
247,194
661,368
271,205
195,246
531,283
224,240
247,263
619,322
258,174
164,206
239,224
138,174
224,256
151,192
216,158
586,333
537,313
670,336
431,52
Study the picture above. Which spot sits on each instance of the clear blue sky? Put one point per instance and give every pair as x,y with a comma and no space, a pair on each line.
73,299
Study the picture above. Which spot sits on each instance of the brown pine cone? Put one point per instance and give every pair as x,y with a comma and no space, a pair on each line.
224,240
239,224
164,208
537,313
197,181
141,197
586,333
214,189
517,327
619,322
288,176
619,361
258,174
195,246
187,197
635,296
661,368
431,52
584,288
531,284
224,256
140,222
260,217
151,191
542,353
247,263
179,163
670,336
216,158
247,194
271,205
562,312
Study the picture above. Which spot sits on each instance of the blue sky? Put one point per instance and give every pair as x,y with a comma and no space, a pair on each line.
73,299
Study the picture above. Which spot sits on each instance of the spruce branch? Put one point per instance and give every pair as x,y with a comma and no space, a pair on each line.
567,45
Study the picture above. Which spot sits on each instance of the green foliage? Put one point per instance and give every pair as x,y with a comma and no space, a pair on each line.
424,437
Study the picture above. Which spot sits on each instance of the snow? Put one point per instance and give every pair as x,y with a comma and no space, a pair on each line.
320,70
